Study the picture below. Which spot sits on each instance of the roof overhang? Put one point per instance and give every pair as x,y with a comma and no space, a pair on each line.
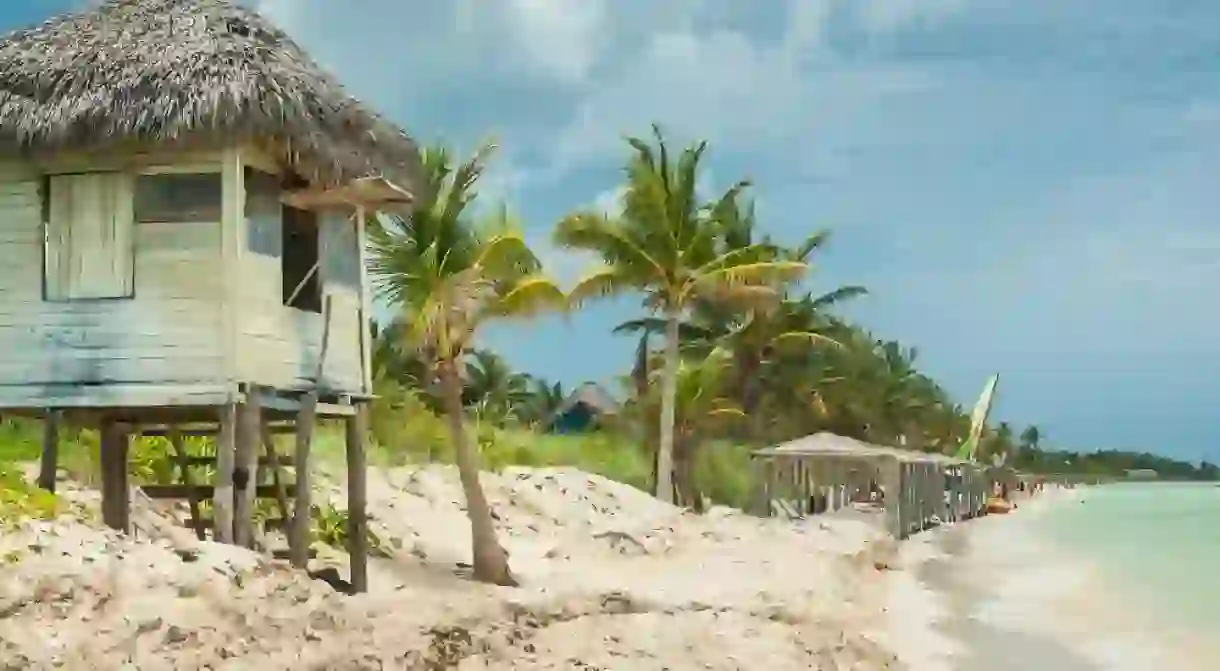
367,192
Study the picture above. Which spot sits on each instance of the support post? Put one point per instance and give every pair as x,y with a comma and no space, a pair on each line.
891,483
277,475
49,467
298,539
245,468
116,499
188,480
222,497
357,480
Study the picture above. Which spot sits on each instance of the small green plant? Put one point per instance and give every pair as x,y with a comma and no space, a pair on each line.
330,528
21,501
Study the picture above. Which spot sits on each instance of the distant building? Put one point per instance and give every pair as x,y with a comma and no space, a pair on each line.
586,409
1142,474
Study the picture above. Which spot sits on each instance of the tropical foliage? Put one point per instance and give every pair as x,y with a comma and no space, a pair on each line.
449,275
749,354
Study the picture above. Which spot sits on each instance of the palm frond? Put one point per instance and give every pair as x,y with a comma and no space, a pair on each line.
529,297
832,298
814,242
793,339
600,284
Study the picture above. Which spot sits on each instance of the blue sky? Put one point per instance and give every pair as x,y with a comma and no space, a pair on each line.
1027,187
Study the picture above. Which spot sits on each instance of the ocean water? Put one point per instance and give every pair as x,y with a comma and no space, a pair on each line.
1155,546
1114,578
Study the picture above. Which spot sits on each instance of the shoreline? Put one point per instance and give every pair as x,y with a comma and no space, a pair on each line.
986,646
1002,596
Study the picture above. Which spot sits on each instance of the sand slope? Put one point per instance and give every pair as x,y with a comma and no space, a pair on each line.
612,579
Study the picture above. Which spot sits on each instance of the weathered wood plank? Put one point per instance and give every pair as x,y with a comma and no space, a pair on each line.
182,491
179,313
274,460
245,470
263,461
49,467
268,523
222,493
357,497
184,472
69,367
116,498
298,538
73,396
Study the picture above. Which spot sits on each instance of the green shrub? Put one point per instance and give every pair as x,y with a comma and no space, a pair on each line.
405,429
21,501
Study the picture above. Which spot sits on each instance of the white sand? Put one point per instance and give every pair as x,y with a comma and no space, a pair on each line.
611,578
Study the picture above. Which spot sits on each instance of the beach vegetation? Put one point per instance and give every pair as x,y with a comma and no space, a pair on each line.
447,275
668,244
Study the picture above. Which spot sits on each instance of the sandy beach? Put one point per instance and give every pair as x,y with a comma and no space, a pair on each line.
611,579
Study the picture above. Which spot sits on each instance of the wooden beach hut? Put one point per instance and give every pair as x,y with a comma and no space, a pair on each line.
585,409
917,488
183,195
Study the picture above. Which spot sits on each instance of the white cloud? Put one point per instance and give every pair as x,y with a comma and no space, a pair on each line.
733,90
561,37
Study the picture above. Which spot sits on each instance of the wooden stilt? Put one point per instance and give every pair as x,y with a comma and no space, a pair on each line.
298,538
116,499
357,521
50,451
188,480
222,497
245,468
278,479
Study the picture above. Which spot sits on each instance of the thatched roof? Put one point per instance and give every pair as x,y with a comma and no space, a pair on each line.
825,444
152,72
591,395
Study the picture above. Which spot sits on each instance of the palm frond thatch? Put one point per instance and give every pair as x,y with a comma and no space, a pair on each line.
156,72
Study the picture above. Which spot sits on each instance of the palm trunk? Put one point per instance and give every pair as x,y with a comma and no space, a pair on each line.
669,393
490,560
686,463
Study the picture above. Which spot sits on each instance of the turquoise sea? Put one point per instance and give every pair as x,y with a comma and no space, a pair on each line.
1158,545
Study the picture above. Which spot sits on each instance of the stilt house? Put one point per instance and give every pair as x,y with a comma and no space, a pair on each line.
183,194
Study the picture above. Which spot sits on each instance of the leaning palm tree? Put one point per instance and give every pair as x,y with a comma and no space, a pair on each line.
451,277
670,245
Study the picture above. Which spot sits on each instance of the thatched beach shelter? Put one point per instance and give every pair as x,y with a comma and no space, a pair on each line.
586,408
197,73
919,488
198,188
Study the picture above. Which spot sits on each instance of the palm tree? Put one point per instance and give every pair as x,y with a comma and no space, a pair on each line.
1000,443
1031,437
544,401
703,408
449,278
669,245
755,333
493,388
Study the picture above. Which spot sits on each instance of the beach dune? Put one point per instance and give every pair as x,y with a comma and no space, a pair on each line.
612,579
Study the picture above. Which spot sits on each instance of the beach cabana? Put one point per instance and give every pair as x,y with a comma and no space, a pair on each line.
797,475
183,195
585,409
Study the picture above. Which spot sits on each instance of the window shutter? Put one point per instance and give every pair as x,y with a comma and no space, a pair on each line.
90,251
